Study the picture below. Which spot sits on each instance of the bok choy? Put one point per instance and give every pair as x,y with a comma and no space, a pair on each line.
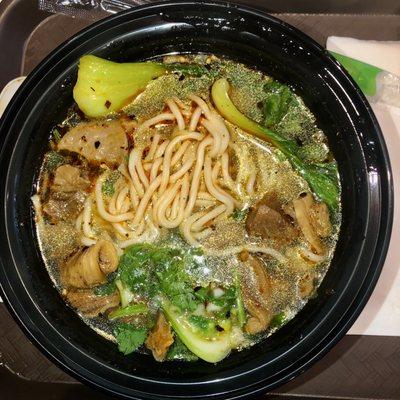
105,86
322,178
210,349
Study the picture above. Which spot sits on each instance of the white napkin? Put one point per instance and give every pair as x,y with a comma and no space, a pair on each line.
8,92
381,316
385,55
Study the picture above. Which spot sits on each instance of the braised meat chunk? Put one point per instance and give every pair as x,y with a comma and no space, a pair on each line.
64,206
89,303
266,219
68,178
67,194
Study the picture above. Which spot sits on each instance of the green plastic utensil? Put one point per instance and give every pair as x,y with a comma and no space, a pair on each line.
377,84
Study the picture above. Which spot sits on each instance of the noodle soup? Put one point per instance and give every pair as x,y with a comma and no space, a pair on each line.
187,207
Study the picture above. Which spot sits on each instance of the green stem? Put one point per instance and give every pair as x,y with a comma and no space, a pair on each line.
133,309
241,313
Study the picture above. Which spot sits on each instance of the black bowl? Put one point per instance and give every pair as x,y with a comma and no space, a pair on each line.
269,45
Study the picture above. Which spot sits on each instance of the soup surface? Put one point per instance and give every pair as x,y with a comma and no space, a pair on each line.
187,207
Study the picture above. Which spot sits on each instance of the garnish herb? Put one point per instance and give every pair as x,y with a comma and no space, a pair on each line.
129,338
53,160
105,290
108,187
56,135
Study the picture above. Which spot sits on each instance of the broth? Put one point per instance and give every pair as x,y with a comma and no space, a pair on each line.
195,219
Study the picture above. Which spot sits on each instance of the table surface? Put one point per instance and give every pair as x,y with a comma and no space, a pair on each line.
360,367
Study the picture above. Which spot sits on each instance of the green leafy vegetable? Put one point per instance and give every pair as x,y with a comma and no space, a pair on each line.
152,99
240,310
178,286
56,135
127,311
227,300
276,104
313,152
202,323
53,160
161,273
104,86
178,351
129,338
105,290
147,270
209,349
135,270
171,268
323,179
240,215
124,292
202,294
285,113
108,187
224,301
247,88
297,124
278,320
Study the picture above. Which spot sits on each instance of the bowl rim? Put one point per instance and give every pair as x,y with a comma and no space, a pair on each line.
11,298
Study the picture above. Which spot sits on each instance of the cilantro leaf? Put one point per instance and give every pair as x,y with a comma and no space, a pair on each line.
240,215
129,338
225,301
53,160
134,269
147,270
105,290
178,351
202,294
177,284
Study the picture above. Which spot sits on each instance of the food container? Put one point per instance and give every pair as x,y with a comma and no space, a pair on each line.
342,112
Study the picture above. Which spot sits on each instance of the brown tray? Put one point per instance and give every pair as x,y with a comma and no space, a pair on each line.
359,367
